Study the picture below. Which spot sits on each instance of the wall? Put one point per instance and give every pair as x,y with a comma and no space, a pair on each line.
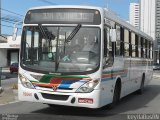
3,57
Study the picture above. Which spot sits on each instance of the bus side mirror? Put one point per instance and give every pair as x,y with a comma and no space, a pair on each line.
113,35
14,36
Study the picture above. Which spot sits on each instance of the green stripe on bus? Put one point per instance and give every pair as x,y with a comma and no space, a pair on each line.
47,78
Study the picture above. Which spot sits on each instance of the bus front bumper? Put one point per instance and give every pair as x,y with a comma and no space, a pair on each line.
88,100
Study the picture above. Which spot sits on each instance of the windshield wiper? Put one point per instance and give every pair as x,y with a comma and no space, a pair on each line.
73,33
57,52
46,34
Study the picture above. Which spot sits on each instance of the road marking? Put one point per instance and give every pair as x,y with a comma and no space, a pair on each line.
9,103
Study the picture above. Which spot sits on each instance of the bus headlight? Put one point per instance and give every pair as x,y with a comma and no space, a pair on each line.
88,87
25,82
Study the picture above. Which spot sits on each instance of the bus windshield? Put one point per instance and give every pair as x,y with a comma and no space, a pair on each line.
61,49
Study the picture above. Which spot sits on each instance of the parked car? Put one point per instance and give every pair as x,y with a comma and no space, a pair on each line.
14,68
156,66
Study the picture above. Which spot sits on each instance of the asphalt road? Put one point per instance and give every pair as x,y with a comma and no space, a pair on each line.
10,79
147,103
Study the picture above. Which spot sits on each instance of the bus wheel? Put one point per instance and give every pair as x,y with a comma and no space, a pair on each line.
116,96
141,90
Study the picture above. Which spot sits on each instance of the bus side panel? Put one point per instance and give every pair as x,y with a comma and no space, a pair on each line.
106,95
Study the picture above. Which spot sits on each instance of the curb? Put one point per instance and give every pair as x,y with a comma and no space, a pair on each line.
158,76
10,103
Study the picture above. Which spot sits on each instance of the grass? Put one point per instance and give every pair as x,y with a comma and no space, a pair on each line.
15,86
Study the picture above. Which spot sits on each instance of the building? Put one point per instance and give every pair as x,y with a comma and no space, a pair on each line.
9,50
149,23
148,18
134,14
157,27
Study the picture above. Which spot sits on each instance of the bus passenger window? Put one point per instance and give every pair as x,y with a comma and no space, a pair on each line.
105,43
133,44
139,47
108,57
136,45
126,42
118,42
142,46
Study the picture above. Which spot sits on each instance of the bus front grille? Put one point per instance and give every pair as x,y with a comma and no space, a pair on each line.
55,97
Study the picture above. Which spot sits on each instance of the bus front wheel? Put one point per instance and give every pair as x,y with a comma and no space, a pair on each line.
116,95
141,90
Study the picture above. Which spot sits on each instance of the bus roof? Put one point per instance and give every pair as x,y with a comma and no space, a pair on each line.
68,6
112,16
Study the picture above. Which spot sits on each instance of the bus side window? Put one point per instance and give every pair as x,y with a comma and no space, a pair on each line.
28,45
105,43
118,42
107,49
126,42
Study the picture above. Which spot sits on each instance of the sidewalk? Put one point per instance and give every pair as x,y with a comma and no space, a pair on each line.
9,94
156,74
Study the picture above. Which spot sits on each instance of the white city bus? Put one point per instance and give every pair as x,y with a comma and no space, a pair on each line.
81,56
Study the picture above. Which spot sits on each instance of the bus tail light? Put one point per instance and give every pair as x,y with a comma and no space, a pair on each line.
88,87
25,82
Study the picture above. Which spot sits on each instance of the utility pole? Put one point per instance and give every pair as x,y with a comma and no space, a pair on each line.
0,17
0,34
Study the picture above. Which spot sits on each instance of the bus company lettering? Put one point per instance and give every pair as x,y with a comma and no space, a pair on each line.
85,100
27,94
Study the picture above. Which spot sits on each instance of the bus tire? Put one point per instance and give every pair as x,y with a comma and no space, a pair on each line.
141,89
116,96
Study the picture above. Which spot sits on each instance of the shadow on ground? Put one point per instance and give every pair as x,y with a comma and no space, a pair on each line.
131,102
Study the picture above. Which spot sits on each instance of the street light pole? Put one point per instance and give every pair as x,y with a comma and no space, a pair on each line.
1,89
15,30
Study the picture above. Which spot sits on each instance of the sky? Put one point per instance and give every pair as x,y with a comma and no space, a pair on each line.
121,7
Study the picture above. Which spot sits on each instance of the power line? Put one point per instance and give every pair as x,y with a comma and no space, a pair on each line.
9,26
12,22
12,12
48,2
10,19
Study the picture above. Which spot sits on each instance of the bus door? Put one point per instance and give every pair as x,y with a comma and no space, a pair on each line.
107,74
